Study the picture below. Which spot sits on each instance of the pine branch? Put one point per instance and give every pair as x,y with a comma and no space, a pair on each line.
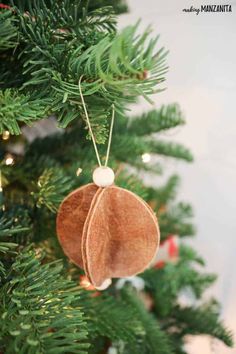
111,65
18,108
154,121
7,229
10,226
52,185
67,18
119,6
114,66
106,318
157,341
165,285
132,183
8,30
174,220
164,195
61,148
202,320
30,168
129,146
188,254
100,19
170,149
38,310
60,42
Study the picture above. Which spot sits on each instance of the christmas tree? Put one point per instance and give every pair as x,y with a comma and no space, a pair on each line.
47,304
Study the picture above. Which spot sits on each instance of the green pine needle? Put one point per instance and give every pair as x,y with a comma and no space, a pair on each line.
38,312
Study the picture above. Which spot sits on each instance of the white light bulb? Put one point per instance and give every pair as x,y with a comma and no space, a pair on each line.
5,135
78,172
9,160
146,157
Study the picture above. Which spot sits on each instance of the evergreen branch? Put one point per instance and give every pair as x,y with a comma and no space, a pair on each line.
188,254
66,19
129,146
121,60
63,149
174,220
102,19
10,70
132,183
157,341
5,245
116,64
202,320
8,30
99,116
9,228
168,116
154,168
106,318
169,227
163,195
17,108
30,168
170,149
119,6
38,312
52,186
165,284
114,68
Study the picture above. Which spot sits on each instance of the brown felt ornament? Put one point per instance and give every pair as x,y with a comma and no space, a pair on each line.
109,232
106,230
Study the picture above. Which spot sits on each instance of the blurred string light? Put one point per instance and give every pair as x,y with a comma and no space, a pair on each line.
85,283
2,206
0,181
146,157
5,135
79,171
9,159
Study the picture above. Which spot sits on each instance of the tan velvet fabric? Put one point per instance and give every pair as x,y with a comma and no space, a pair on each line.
117,236
70,221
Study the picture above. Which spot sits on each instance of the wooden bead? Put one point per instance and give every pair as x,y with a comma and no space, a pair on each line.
103,176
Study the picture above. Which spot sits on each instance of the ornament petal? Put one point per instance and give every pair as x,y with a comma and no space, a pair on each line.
120,236
71,217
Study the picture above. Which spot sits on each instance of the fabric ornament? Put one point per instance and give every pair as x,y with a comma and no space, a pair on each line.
106,230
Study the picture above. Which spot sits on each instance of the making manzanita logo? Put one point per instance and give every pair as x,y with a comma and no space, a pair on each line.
209,8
